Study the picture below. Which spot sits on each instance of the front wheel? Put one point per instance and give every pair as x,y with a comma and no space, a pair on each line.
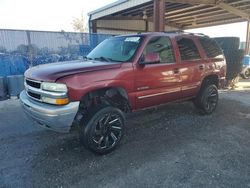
102,129
207,99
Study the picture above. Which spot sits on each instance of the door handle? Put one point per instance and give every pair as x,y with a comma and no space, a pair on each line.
201,67
176,71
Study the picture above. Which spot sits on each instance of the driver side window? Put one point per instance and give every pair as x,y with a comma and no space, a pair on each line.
161,46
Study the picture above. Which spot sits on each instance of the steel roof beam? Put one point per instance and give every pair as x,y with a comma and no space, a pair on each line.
195,2
202,13
234,10
182,12
199,25
208,20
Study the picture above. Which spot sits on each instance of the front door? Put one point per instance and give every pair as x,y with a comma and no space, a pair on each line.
159,82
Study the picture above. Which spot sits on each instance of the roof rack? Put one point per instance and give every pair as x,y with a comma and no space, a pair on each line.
181,32
199,34
174,31
184,32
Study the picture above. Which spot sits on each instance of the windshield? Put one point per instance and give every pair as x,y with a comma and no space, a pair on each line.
115,49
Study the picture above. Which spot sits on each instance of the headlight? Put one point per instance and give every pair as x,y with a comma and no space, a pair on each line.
56,87
57,93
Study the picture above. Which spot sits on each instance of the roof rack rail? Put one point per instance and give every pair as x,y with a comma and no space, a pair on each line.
174,31
184,32
197,34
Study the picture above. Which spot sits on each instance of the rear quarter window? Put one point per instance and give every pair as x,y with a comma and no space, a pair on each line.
211,48
188,49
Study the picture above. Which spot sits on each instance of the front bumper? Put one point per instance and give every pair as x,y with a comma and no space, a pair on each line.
57,118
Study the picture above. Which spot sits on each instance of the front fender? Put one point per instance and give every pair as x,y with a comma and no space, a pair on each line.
78,90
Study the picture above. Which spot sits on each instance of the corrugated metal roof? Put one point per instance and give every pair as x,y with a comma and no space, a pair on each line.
107,7
180,15
116,7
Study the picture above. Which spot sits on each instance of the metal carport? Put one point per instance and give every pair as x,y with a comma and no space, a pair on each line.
128,16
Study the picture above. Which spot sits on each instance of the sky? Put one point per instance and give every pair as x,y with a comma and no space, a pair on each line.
48,15
236,29
57,15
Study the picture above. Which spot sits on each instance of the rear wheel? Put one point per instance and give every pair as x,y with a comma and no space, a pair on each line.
207,99
102,129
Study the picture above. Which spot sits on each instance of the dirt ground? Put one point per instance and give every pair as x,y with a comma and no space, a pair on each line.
169,146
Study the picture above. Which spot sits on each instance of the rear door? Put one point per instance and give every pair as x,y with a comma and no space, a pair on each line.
214,57
192,65
159,82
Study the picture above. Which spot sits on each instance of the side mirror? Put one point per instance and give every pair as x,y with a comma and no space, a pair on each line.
150,58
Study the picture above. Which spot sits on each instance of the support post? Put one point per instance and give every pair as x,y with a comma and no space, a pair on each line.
159,15
247,49
92,26
146,25
93,35
30,51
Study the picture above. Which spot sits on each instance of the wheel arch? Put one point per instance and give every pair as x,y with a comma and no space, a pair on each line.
210,79
111,95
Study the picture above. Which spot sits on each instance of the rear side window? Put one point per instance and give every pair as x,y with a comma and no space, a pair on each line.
188,49
162,46
211,48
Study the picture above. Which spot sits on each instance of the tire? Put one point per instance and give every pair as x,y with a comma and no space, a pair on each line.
234,63
228,42
234,56
102,129
207,99
246,73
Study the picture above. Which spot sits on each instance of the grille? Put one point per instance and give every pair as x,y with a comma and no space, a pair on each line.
34,95
33,84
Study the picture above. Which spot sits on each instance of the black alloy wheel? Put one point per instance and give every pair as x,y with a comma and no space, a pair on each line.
102,130
108,131
207,99
210,99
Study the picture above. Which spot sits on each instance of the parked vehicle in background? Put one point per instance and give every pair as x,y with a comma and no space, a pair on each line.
246,67
123,74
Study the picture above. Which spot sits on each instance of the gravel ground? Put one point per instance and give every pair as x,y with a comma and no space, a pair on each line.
169,146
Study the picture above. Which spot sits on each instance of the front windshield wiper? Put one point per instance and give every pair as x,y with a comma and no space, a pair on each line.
103,59
106,59
87,58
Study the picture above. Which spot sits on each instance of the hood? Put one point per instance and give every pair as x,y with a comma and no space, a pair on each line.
52,72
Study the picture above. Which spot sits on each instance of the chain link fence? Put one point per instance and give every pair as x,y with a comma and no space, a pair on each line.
20,49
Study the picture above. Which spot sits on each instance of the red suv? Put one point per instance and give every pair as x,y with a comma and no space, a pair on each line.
123,74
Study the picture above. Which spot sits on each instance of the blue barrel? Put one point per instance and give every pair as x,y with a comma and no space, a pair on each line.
18,64
13,64
15,85
3,89
246,60
4,68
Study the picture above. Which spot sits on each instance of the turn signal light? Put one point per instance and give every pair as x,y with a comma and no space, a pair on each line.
62,101
55,101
